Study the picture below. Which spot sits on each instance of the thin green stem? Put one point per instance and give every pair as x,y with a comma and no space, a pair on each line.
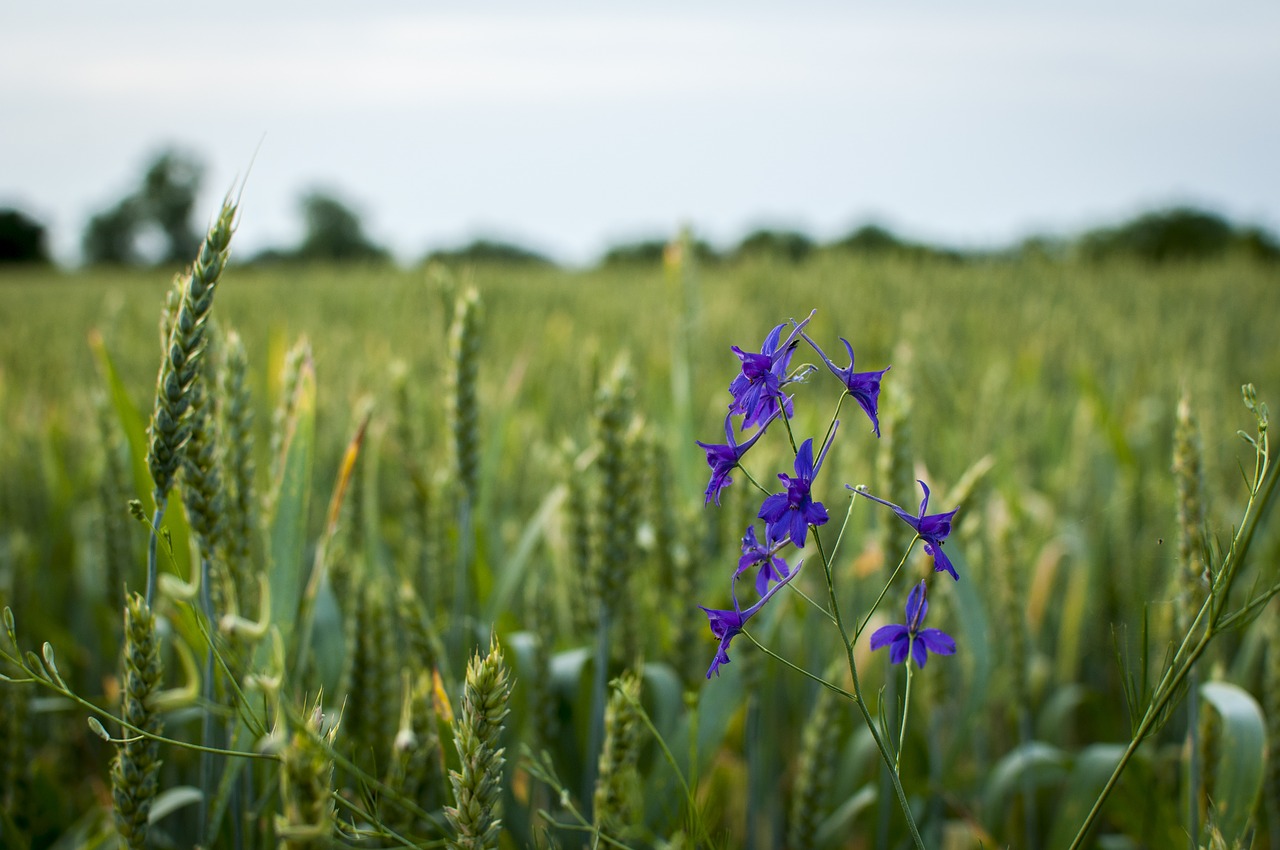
803,672
901,563
152,567
906,709
859,700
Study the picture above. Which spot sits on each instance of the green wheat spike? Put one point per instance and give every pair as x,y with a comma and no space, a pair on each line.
372,676
476,816
307,818
815,766
1189,480
113,494
235,409
135,771
464,408
894,462
617,798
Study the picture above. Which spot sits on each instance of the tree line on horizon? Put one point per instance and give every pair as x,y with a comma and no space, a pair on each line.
154,225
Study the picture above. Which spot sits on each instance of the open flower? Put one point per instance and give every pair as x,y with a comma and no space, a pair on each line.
723,459
757,390
773,567
933,528
791,513
919,642
726,625
863,386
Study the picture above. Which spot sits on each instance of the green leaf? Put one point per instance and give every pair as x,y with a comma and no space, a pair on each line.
287,526
1241,762
172,799
1032,764
1093,767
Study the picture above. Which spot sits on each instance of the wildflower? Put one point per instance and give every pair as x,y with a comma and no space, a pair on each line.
794,511
933,529
757,391
725,625
863,386
911,638
723,459
772,566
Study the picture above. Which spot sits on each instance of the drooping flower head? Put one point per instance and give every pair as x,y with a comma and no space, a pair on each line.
726,625
932,528
723,459
863,386
902,639
773,567
791,513
757,390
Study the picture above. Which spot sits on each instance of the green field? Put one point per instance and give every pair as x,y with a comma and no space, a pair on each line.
1039,396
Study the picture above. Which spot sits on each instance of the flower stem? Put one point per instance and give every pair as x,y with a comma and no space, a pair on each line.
906,709
858,697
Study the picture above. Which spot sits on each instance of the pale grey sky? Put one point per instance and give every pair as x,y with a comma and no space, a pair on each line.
572,125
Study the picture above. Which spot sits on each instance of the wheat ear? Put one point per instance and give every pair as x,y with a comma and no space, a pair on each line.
476,815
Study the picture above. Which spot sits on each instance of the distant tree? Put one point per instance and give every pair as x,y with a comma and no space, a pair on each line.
486,251
163,204
645,253
334,232
167,199
1258,244
653,251
1170,235
871,239
111,236
22,238
787,245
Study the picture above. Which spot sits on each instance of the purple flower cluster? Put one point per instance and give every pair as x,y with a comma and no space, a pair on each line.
759,396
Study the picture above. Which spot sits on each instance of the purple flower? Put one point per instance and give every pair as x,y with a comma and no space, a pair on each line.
933,529
794,511
757,390
772,566
725,625
723,459
911,638
863,386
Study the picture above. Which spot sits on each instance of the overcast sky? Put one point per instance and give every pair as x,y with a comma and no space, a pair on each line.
567,126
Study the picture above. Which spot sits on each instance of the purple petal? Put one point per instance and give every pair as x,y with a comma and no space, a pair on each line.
919,653
924,503
804,461
772,509
917,606
936,641
940,560
898,649
886,635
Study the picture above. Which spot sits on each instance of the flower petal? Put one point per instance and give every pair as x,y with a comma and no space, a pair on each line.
936,641
886,635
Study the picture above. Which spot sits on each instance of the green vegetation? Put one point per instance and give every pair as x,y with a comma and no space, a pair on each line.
498,458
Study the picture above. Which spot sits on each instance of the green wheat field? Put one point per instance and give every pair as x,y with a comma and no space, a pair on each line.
434,541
